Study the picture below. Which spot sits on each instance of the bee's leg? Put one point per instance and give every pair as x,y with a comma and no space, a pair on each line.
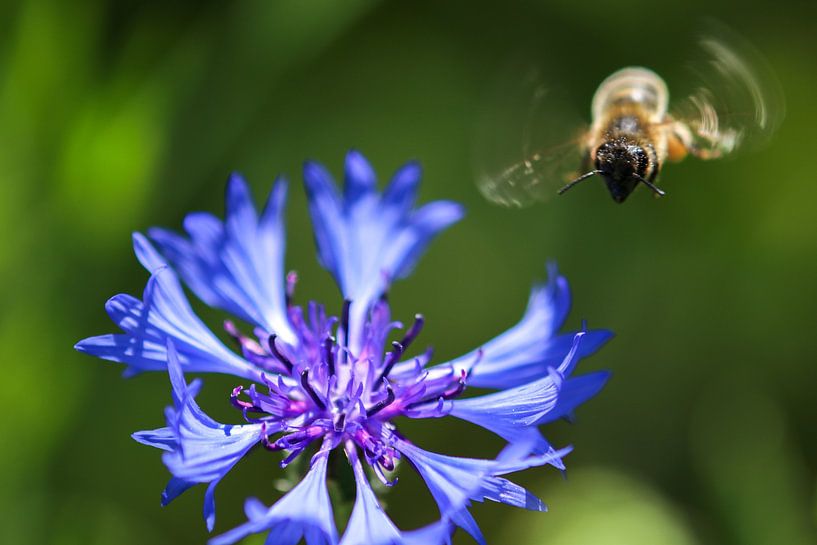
676,149
704,153
681,142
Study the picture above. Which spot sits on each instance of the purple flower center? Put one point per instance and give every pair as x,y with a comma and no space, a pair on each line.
327,386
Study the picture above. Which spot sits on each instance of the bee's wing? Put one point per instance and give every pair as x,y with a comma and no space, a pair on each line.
530,141
735,101
536,177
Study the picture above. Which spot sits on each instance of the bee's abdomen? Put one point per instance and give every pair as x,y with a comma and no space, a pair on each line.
632,86
626,124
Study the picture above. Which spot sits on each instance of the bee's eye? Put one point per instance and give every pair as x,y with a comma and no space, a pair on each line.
603,154
641,158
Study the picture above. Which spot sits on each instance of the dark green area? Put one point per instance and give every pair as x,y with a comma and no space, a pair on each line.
115,116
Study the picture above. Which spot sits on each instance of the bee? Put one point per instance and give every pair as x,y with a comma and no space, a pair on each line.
735,102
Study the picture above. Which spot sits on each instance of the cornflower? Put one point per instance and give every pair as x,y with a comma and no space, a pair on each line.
312,382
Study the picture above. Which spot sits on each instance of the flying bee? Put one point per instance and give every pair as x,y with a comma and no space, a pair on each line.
735,103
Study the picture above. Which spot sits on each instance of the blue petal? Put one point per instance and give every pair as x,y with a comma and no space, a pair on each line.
465,520
433,534
533,404
361,180
574,392
162,438
325,207
203,451
164,314
365,239
513,414
401,193
209,510
369,525
408,245
304,512
454,482
237,265
175,488
146,254
526,351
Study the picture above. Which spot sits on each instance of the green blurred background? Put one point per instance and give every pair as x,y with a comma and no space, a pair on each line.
115,116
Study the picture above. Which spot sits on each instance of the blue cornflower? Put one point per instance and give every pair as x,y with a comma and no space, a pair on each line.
337,382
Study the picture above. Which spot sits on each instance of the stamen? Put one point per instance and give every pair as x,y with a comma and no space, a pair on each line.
297,438
277,386
414,331
330,387
328,355
428,355
314,315
292,455
237,403
297,442
340,422
425,411
277,353
371,448
446,395
387,461
391,359
380,405
344,321
459,389
233,332
312,393
378,471
265,439
479,355
292,279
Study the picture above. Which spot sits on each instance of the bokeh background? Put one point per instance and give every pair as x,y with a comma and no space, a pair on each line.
115,116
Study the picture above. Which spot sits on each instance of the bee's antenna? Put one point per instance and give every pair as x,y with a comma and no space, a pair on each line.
581,178
649,184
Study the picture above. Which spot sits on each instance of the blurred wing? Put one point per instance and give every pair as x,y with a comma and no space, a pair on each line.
529,142
736,101
537,177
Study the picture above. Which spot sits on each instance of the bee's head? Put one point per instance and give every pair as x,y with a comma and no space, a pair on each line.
623,165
